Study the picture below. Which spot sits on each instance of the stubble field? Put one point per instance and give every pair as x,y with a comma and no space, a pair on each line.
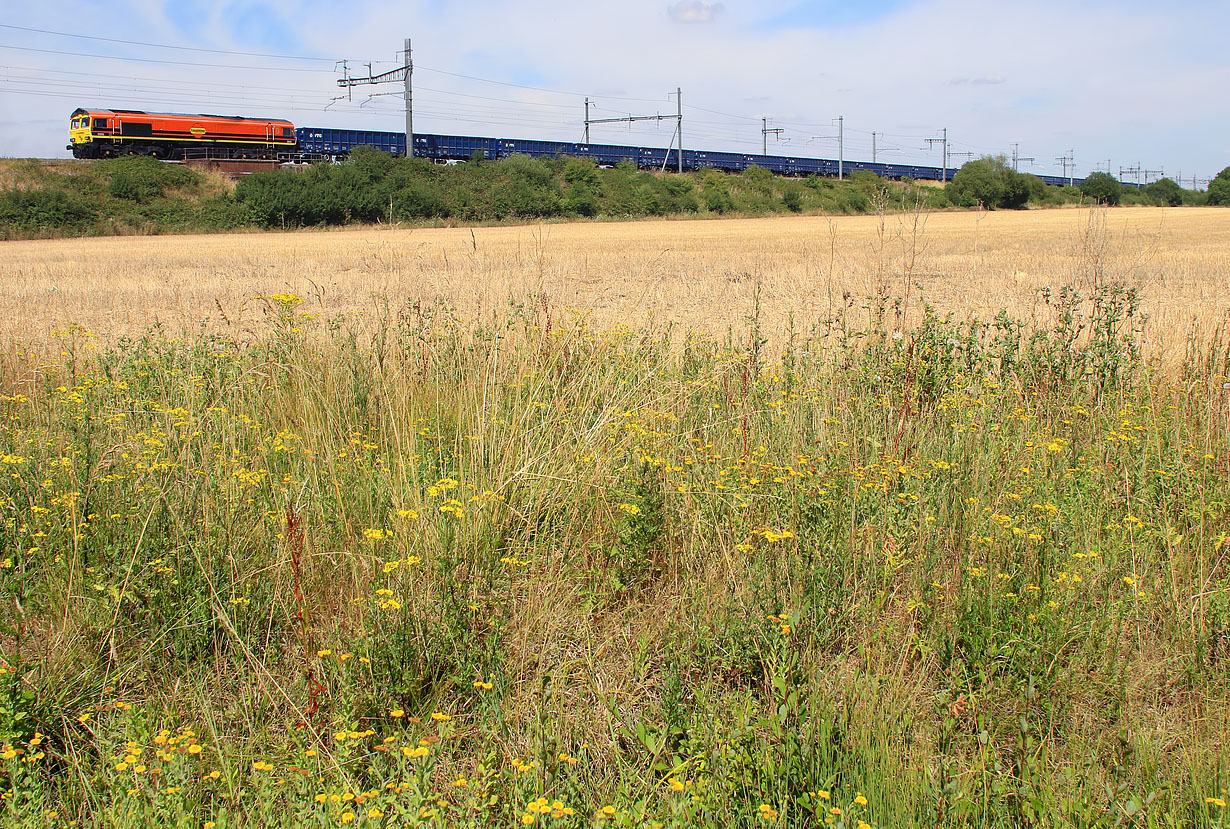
695,275
885,521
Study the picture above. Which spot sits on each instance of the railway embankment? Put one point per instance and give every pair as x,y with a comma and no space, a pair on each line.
143,196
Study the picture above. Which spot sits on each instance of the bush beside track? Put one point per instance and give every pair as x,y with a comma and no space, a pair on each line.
139,196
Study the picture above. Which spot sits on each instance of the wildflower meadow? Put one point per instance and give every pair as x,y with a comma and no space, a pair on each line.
525,570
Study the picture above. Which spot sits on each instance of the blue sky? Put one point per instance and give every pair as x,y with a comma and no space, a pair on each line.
1131,82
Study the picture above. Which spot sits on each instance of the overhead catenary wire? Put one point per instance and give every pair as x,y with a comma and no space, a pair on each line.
62,53
306,106
177,82
77,97
161,45
716,112
526,86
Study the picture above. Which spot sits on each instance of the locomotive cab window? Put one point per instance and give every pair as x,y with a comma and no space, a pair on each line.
100,123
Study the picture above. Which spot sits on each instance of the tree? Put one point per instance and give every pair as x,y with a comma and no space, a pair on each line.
1219,188
1165,192
977,182
1016,189
1039,192
1103,188
991,182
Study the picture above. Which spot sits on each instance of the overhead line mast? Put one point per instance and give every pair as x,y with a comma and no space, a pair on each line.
404,74
841,147
1069,166
765,129
931,142
1017,158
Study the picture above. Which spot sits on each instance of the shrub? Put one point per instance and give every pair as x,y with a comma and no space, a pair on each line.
126,185
868,182
584,187
758,180
222,213
416,198
141,178
41,211
273,198
715,192
326,194
531,189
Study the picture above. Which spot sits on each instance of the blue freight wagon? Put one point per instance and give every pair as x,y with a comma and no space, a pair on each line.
333,142
336,143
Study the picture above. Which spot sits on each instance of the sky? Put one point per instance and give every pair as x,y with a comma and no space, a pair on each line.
1128,83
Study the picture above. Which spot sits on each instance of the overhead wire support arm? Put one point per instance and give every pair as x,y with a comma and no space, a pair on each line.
391,76
629,119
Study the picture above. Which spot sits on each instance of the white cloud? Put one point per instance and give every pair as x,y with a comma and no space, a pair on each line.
694,11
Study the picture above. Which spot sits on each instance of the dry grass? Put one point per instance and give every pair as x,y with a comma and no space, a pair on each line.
942,578
698,275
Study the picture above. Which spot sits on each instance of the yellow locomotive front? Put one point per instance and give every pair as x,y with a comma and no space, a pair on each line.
78,131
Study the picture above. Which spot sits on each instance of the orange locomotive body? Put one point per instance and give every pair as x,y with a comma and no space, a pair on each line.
106,133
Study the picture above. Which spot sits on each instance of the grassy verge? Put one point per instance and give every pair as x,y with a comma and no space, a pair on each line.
518,571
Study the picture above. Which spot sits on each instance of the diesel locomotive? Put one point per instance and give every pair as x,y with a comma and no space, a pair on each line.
107,133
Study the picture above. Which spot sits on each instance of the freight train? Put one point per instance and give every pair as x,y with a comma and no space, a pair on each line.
107,133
